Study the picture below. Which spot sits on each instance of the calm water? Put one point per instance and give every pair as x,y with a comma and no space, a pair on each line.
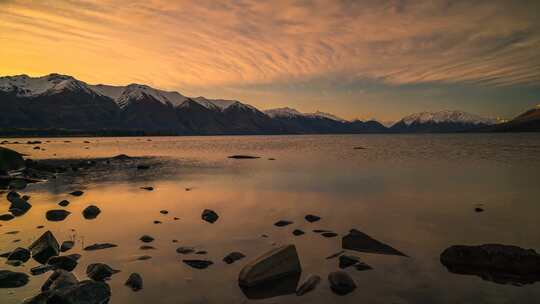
414,192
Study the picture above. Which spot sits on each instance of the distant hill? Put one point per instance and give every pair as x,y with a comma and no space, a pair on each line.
442,121
526,122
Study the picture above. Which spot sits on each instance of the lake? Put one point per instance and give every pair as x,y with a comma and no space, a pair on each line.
416,193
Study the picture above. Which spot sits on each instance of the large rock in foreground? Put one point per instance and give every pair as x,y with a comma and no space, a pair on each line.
11,279
44,247
359,241
85,292
498,263
10,160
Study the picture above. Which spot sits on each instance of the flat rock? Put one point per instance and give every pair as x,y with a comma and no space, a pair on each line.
348,260
44,247
298,232
312,218
147,247
76,193
41,269
282,223
99,246
85,292
144,258
273,265
66,246
135,282
11,279
185,250
100,271
6,217
329,234
308,285
64,203
146,239
57,215
147,188
209,215
18,254
233,257
164,212
359,241
198,264
66,262
91,212
341,283
59,279
243,157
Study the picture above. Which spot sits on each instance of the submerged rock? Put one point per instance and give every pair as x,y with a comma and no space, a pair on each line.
210,216
298,232
273,265
494,262
41,269
66,262
91,212
135,282
198,264
100,271
11,279
308,285
282,223
99,246
312,218
359,241
59,279
185,250
233,257
57,215
341,283
147,188
44,247
6,217
66,246
76,193
19,254
146,239
243,157
351,260
64,203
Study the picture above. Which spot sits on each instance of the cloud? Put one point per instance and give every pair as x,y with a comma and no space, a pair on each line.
176,44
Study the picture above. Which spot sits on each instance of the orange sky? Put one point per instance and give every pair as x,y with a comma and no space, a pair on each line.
346,57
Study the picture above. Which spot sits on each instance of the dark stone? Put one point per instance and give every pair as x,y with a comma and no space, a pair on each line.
143,167
233,257
185,250
85,292
77,193
243,157
41,269
146,239
11,279
329,234
478,209
198,264
99,246
100,271
201,252
59,279
91,212
341,283
157,222
210,216
67,245
276,264
57,215
164,212
359,241
312,218
282,223
121,157
10,160
64,203
147,188
18,254
498,263
321,230
6,217
66,262
298,232
18,206
44,247
359,148
308,285
144,258
146,247
135,282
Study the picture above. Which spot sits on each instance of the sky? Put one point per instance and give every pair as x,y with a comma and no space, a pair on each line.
355,58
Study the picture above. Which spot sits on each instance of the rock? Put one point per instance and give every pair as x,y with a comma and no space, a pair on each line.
59,279
11,279
185,250
478,209
201,252
41,269
18,206
298,232
312,218
329,234
147,188
282,223
146,239
146,247
243,157
6,217
309,284
99,246
66,262
64,203
233,257
209,216
76,193
10,160
144,258
134,282
157,222
164,212
85,292
44,247
359,241
341,283
67,245
198,264
26,197
121,157
19,254
494,262
275,264
100,271
91,212
143,167
57,215
335,255
348,260
321,231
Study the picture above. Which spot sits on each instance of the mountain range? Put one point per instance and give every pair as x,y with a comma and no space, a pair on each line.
61,102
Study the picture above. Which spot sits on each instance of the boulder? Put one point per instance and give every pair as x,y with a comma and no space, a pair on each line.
91,212
233,257
209,215
64,203
329,234
146,239
41,269
76,193
341,283
59,279
135,282
65,262
312,218
198,264
85,292
273,265
308,285
18,255
100,271
147,188
66,246
44,247
10,160
18,206
57,215
99,246
11,279
359,241
6,217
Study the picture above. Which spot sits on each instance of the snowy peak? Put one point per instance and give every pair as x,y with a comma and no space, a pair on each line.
123,95
222,104
26,86
320,114
447,117
287,112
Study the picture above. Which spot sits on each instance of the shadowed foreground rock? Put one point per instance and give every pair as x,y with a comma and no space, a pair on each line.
210,216
91,212
275,273
18,255
10,160
44,247
99,246
100,271
11,279
233,257
502,264
84,292
135,282
341,283
57,215
359,241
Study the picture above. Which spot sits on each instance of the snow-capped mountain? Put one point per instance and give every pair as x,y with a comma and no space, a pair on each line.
123,95
221,104
442,121
287,112
26,86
